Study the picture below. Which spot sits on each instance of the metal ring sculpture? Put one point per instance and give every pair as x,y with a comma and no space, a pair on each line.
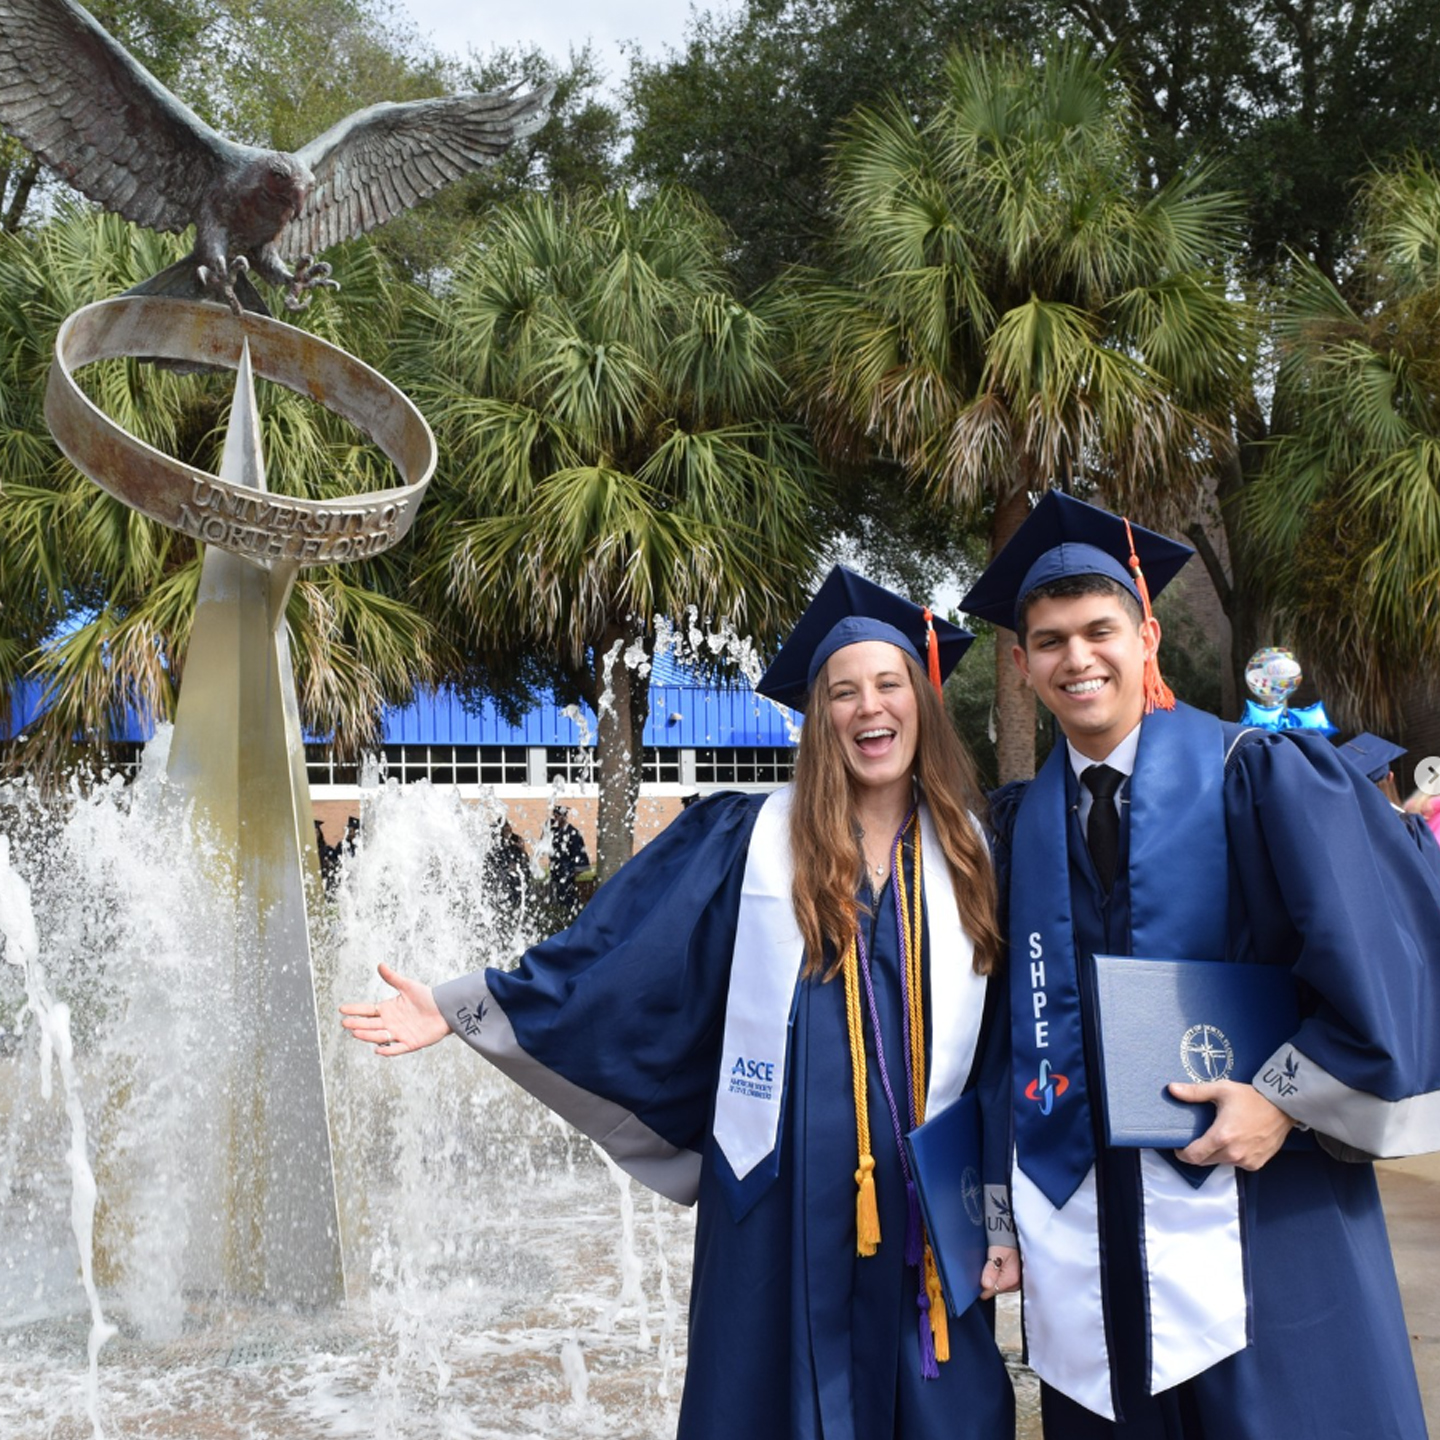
261,526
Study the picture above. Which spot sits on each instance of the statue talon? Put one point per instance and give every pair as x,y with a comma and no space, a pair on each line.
309,274
222,281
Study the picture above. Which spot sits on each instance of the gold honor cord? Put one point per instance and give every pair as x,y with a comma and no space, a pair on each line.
867,1212
264,528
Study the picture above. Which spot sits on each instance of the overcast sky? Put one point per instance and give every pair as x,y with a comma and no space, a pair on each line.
458,26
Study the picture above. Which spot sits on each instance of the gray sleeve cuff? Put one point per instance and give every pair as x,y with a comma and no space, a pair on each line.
465,1003
1351,1124
999,1218
476,1017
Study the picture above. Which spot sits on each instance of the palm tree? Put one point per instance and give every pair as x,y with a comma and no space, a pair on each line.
610,413
1008,307
97,601
1348,508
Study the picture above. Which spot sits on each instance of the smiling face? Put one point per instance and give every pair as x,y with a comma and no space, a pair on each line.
1084,656
871,709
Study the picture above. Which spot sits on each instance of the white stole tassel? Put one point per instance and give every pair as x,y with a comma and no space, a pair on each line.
1064,1304
1194,1270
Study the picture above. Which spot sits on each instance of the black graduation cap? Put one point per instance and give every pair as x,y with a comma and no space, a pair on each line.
1373,755
847,609
1061,537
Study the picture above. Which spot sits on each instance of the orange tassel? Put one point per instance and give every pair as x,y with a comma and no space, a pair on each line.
1158,695
932,653
867,1211
939,1320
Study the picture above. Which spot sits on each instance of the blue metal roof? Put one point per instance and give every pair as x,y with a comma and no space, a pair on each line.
24,707
681,716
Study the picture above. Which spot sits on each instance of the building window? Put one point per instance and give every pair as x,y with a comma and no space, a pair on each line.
439,764
745,765
574,764
660,767
321,767
502,765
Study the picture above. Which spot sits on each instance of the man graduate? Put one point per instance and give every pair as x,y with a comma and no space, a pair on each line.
1242,1287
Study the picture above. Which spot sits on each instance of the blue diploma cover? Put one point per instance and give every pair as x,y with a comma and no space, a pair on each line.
945,1161
1193,1020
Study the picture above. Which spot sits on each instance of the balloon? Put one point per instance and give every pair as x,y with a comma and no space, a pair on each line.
1312,717
1264,716
1272,675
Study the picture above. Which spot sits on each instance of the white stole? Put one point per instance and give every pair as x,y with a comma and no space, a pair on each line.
766,972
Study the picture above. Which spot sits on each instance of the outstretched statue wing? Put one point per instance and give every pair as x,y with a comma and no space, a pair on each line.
99,120
379,162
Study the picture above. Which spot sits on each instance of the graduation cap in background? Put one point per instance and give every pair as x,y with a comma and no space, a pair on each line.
847,609
1373,755
1062,537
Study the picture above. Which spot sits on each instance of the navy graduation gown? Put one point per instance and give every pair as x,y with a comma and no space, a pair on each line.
617,1023
1330,1355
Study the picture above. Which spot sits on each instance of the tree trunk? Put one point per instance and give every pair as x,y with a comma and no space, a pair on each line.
20,196
623,702
1014,699
1245,599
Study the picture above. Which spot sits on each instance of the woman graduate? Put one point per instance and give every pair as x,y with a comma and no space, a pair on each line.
752,1014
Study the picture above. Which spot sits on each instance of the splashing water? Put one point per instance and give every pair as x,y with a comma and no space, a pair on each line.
500,1284
22,948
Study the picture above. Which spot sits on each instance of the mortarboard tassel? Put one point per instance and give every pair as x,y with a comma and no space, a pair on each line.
1158,695
932,652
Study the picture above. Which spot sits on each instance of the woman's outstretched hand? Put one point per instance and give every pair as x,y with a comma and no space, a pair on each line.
408,1020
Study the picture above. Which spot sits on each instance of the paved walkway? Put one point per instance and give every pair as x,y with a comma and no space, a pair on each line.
1411,1191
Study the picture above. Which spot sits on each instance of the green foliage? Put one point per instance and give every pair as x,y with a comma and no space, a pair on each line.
1348,510
1007,306
745,111
67,549
610,413
1296,101
616,448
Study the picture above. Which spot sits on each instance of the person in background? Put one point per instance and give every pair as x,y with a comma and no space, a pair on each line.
1373,756
568,857
755,1010
329,856
507,868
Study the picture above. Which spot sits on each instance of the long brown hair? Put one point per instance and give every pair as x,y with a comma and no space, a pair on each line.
822,829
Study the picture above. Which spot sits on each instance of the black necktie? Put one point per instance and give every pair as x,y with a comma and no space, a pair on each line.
1102,830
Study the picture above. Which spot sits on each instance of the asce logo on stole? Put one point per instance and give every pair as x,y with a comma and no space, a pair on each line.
754,1079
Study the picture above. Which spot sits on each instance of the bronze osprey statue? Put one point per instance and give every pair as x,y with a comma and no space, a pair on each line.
102,122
